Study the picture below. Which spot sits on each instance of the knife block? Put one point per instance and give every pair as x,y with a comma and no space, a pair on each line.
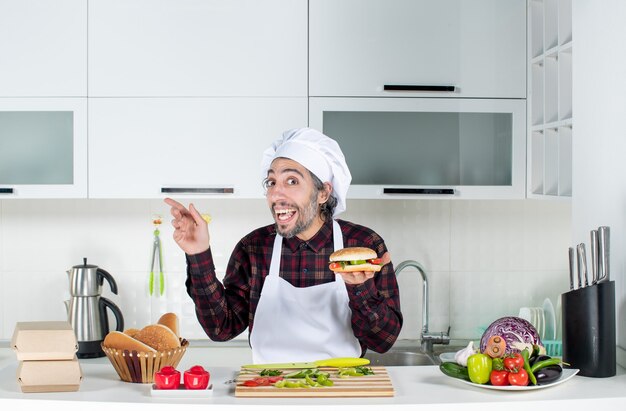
589,342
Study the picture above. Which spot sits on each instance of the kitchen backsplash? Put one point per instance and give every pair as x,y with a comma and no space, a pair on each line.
484,259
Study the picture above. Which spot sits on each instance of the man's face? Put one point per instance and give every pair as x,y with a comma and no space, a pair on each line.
293,199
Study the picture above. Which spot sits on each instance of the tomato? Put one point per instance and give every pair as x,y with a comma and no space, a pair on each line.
376,261
499,377
515,362
196,378
479,368
168,378
518,378
261,381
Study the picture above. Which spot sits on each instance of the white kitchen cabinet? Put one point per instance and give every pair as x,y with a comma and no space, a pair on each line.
43,148
43,48
433,148
356,47
550,118
151,147
191,48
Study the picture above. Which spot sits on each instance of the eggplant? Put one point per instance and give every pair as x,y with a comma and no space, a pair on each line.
548,374
537,358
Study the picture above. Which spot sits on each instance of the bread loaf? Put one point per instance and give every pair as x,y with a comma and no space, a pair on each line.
158,337
131,331
120,341
170,320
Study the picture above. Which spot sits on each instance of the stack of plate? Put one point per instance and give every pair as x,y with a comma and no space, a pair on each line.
547,322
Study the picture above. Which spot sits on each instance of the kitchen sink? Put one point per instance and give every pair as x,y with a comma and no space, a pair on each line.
401,358
408,353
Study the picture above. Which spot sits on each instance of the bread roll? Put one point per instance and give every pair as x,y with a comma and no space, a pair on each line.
158,337
131,331
170,320
120,341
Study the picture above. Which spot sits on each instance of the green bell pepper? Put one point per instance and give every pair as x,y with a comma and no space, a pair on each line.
479,368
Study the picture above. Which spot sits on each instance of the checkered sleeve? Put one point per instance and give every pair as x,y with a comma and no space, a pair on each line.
222,312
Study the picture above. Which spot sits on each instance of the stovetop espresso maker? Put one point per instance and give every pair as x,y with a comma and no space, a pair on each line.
87,310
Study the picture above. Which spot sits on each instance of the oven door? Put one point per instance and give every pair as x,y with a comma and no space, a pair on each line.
428,147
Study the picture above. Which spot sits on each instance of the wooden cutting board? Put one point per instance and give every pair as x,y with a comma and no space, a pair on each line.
377,385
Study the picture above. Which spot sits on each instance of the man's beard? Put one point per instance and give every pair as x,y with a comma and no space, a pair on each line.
306,216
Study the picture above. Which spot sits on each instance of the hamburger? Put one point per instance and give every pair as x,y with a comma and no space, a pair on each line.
351,259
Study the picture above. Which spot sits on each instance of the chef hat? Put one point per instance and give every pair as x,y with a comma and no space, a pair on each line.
320,155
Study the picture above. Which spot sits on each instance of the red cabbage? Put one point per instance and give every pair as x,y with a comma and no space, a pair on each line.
512,329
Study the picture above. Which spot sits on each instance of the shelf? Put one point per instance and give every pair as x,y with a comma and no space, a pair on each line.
550,115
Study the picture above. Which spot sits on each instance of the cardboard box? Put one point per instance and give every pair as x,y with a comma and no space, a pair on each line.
49,376
44,340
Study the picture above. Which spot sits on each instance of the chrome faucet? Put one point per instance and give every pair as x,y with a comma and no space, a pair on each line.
427,338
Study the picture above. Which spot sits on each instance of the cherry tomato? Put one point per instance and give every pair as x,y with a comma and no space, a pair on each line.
499,377
168,378
515,362
196,378
275,379
261,381
251,383
518,378
376,261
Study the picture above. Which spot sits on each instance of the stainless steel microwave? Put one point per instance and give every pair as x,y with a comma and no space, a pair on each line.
428,147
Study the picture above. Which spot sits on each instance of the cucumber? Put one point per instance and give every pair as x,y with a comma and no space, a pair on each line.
454,370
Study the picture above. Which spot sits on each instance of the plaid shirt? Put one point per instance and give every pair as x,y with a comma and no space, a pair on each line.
224,311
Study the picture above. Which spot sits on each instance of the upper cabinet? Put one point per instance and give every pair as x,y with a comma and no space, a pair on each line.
155,147
443,48
43,48
192,48
43,148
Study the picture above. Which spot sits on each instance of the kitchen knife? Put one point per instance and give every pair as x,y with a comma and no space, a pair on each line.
582,263
603,253
594,256
572,267
583,253
330,362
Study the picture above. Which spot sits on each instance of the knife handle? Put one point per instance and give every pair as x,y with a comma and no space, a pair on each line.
603,253
594,256
341,362
581,263
572,267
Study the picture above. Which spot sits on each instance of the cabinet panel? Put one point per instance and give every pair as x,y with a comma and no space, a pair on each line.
140,145
43,148
358,46
198,48
43,48
428,148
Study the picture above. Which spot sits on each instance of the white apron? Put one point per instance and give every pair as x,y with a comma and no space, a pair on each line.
294,324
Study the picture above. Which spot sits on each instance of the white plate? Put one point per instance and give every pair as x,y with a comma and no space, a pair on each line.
181,392
548,310
447,357
566,375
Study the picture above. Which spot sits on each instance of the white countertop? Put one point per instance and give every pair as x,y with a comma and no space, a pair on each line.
422,387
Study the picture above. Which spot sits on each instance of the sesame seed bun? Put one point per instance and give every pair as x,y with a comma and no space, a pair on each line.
158,337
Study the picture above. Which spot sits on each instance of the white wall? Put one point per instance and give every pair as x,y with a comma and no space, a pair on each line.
599,136
485,259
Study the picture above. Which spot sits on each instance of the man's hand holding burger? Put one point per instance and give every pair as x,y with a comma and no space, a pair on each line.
357,264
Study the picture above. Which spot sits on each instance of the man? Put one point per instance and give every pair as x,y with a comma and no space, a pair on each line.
277,281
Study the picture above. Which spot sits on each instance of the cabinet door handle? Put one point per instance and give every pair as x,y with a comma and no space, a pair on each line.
198,190
435,191
6,190
423,87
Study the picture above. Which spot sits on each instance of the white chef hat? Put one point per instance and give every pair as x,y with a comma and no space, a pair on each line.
319,154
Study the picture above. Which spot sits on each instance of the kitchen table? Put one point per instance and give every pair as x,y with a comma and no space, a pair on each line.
423,388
